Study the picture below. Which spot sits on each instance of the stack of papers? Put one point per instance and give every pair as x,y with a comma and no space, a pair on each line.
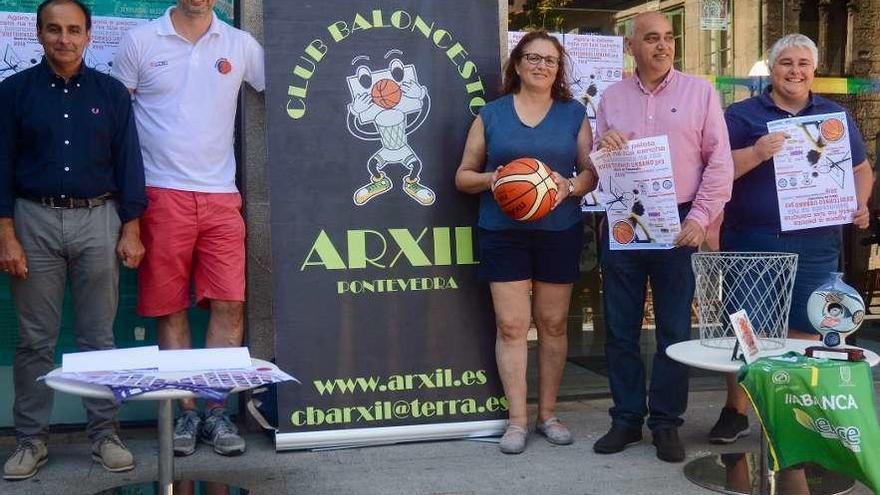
209,373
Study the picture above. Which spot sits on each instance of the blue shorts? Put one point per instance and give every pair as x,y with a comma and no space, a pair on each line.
543,255
818,256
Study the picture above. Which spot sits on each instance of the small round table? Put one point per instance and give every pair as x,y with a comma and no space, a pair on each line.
164,484
712,471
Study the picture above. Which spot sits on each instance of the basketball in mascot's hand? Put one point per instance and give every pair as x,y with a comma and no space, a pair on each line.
525,190
386,93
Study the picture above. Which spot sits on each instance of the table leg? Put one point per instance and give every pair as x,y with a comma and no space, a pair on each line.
764,480
166,449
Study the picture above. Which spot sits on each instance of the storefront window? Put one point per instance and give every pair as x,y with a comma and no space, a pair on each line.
676,17
718,52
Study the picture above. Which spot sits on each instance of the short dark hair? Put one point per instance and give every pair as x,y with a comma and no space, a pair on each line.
511,81
86,11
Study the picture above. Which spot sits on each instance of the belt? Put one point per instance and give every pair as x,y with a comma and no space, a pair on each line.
67,203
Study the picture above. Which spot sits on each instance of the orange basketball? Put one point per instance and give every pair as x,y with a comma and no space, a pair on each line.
386,93
833,130
525,189
623,232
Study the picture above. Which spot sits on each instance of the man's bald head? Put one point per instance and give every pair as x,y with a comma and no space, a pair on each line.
652,45
647,18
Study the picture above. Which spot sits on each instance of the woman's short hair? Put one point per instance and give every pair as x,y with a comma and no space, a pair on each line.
511,81
794,40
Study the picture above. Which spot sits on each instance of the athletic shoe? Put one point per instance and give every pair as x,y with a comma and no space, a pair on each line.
422,194
374,188
222,433
730,426
186,433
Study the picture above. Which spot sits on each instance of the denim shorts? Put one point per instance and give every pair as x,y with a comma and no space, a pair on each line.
543,255
818,256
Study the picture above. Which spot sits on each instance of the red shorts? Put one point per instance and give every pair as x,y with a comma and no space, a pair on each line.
190,234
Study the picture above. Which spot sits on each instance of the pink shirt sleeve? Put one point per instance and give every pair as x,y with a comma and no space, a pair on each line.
717,178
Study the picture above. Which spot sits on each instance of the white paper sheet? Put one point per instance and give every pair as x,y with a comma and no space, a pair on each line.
204,359
111,360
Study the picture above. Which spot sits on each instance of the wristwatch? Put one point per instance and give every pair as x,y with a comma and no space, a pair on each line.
570,187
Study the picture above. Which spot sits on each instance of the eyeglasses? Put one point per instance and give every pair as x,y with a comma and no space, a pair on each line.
535,59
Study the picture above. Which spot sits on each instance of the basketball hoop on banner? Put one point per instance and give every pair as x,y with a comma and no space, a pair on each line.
759,283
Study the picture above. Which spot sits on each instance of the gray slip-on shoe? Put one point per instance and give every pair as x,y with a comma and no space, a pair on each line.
556,432
514,440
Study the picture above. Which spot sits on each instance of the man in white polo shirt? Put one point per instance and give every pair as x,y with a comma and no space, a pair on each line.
185,70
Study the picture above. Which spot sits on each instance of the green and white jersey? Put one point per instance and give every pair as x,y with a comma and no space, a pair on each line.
817,410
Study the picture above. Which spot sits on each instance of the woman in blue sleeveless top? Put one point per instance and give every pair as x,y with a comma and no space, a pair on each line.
537,118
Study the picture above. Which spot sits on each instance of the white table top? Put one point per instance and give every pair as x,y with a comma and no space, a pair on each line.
103,392
692,353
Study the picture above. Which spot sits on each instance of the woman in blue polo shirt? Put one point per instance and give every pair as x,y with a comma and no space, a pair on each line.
536,117
751,218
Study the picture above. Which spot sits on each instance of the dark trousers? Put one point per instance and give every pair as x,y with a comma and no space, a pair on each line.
624,278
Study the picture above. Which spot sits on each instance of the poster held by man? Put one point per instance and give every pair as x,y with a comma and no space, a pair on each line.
377,304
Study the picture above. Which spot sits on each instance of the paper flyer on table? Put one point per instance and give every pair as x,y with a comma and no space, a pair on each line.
229,378
637,189
211,384
814,177
745,335
217,358
111,359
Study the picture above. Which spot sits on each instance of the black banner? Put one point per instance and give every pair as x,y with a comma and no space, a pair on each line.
377,307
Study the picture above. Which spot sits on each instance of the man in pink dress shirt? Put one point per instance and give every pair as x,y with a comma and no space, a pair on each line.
658,101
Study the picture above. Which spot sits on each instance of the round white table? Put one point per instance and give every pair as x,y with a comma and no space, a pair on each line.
714,471
165,483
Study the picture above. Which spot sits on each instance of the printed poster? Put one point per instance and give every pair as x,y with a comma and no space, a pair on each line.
814,172
597,62
714,15
637,189
19,48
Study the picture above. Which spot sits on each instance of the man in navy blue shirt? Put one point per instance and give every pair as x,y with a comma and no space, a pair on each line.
71,193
